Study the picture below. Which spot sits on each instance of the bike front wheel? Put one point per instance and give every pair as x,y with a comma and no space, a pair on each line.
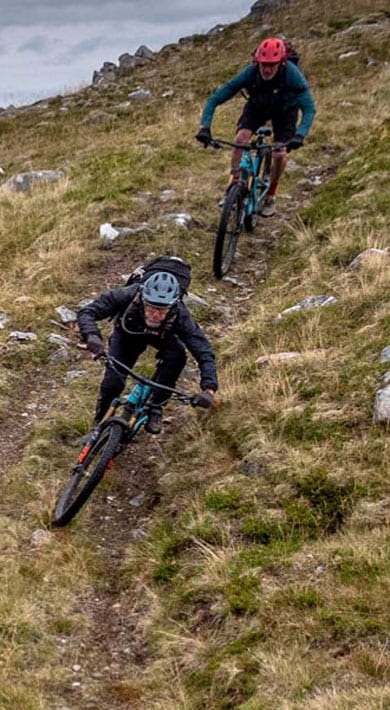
230,226
87,474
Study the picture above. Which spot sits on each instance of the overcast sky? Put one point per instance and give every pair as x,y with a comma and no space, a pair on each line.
52,46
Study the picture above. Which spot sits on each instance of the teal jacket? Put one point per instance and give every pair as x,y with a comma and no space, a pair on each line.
289,89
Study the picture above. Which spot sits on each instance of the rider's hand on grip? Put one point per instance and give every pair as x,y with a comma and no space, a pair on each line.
204,136
295,142
95,345
204,399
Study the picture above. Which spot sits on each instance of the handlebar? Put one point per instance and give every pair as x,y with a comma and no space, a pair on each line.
254,145
111,361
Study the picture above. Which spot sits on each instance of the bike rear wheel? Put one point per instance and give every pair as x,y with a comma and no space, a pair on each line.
230,226
88,474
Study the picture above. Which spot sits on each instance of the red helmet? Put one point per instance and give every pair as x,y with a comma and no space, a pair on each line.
270,51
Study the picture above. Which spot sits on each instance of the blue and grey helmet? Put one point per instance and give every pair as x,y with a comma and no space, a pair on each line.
161,290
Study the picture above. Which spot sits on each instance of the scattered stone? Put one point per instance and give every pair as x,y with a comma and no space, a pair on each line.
262,7
167,94
59,325
67,315
23,182
138,500
123,106
138,534
40,537
126,62
20,335
385,354
346,55
191,299
235,282
140,95
106,73
109,234
56,339
143,52
264,360
346,104
73,374
215,30
4,319
309,302
110,72
181,219
369,256
276,358
291,166
252,468
60,354
382,402
167,195
316,180
167,479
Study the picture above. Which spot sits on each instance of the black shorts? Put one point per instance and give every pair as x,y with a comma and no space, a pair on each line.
283,122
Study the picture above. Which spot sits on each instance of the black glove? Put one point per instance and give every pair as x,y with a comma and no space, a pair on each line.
204,399
95,345
204,135
295,142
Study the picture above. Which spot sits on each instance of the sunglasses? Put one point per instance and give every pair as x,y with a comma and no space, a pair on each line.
156,308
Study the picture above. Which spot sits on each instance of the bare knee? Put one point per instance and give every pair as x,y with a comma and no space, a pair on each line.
243,135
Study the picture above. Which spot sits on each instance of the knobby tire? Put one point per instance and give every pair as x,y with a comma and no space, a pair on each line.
84,481
230,226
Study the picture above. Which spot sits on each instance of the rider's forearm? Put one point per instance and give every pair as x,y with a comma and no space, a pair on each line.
307,106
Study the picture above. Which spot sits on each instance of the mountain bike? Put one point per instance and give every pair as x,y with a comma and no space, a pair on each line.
121,423
245,197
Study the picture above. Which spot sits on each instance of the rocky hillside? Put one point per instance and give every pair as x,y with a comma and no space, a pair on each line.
240,560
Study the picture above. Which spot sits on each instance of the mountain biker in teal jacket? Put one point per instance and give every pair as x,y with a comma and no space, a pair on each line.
277,91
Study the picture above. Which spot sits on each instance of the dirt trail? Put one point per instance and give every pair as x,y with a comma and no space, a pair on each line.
32,405
114,637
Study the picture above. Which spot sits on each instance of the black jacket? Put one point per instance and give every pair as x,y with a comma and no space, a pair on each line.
124,306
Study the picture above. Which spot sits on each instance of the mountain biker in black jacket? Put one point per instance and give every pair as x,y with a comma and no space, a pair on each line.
148,314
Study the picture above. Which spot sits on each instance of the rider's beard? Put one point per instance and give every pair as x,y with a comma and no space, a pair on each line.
150,323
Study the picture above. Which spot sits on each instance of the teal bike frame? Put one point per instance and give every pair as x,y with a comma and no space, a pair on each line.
244,197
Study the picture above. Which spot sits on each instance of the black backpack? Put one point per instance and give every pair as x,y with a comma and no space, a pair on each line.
291,53
173,264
